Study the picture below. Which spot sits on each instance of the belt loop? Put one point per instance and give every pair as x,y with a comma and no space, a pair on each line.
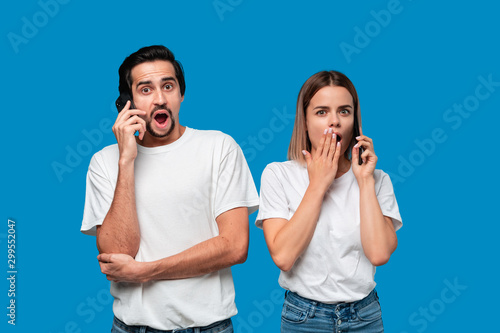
197,330
313,309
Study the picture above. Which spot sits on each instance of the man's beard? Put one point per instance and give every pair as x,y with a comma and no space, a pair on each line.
150,129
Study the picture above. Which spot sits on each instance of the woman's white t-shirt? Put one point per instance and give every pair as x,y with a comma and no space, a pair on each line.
334,267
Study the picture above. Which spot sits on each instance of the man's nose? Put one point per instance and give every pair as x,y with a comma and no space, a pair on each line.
160,98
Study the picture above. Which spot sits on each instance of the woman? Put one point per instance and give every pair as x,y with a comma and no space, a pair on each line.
328,218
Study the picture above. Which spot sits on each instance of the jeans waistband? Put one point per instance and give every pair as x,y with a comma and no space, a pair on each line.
224,323
372,296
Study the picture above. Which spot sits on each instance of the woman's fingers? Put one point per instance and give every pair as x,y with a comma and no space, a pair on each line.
319,151
365,142
307,156
327,143
337,152
333,146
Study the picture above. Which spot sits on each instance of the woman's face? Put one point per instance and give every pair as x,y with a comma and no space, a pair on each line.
331,107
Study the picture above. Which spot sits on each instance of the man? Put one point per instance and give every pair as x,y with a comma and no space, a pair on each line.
169,207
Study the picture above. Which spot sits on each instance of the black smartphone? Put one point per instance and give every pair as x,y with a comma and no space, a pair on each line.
356,134
122,100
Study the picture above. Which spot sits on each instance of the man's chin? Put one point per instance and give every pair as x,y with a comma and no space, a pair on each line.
159,134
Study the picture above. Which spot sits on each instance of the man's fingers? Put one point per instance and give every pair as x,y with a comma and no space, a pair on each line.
128,113
104,257
131,125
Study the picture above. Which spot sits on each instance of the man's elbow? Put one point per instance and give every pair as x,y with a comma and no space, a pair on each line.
239,253
107,247
241,257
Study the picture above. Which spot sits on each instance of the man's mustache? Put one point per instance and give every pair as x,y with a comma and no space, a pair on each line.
162,107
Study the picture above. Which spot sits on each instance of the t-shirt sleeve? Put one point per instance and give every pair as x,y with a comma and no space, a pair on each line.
387,200
98,196
235,186
273,200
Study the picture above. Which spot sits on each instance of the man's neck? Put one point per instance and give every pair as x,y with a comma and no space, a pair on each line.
152,141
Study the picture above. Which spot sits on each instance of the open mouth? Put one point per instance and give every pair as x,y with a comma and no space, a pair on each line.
338,137
161,118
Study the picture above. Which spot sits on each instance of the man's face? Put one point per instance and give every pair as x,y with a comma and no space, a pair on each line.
155,90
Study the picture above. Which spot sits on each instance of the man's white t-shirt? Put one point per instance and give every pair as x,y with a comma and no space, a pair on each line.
334,267
180,190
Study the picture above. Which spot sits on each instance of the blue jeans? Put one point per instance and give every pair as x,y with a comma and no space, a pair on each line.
304,315
224,326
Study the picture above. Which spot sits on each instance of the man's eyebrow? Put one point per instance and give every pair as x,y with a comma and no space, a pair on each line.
142,82
168,78
163,79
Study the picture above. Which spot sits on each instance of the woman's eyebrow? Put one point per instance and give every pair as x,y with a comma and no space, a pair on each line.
321,107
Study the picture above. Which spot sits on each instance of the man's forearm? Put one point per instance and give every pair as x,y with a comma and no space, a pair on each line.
119,232
206,257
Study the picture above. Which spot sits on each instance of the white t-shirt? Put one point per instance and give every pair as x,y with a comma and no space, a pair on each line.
180,189
334,267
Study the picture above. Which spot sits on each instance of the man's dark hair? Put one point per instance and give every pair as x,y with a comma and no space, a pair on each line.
147,54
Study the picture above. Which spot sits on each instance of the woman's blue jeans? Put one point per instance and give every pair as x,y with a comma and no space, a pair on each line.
304,315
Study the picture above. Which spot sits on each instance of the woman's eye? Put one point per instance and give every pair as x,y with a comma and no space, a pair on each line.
345,111
321,112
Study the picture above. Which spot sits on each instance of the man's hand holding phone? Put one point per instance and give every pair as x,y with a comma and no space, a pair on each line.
126,124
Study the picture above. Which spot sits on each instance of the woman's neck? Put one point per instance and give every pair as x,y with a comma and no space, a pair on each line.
344,166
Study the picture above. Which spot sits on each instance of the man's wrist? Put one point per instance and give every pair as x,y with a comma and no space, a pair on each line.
143,272
126,162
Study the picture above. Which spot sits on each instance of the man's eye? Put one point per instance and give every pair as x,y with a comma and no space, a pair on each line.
145,90
168,87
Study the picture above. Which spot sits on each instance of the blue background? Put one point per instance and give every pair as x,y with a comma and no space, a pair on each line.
245,62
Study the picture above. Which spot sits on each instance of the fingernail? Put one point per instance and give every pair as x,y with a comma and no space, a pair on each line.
330,130
356,145
326,131
333,136
304,152
358,137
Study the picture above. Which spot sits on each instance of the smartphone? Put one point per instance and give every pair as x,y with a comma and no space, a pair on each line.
122,100
356,134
